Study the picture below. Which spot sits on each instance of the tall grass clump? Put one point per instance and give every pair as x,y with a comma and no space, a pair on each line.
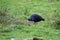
5,17
57,19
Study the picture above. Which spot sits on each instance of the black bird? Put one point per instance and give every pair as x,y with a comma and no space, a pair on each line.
37,38
36,18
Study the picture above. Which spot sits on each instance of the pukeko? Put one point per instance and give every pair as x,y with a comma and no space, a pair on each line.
36,18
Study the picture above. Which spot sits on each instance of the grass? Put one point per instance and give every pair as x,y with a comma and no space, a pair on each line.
23,9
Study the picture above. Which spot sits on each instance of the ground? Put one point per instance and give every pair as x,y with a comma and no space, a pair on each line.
23,9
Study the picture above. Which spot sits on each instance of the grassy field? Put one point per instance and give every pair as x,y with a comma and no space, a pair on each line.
22,10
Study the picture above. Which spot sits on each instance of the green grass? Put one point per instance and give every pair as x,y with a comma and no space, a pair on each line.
23,9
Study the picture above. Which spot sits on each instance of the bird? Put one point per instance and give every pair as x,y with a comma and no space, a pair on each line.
36,18
35,38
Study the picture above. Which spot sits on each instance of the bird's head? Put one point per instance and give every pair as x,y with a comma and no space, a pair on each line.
43,19
29,19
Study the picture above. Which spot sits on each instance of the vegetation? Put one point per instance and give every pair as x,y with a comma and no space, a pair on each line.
14,15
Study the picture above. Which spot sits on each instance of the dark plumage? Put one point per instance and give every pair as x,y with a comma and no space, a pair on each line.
36,18
37,39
